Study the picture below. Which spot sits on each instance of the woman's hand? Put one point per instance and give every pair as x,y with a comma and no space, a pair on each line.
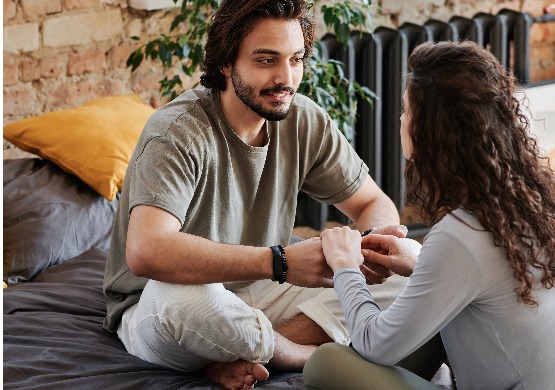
396,254
393,230
341,246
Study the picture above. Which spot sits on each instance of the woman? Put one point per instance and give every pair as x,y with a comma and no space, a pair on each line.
484,277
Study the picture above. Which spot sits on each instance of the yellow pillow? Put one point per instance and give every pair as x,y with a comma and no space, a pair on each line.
93,142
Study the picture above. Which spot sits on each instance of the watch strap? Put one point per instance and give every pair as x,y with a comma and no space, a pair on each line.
279,263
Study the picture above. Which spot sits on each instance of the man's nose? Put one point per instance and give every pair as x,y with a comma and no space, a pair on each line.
284,74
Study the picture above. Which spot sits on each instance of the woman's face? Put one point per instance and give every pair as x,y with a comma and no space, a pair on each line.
405,119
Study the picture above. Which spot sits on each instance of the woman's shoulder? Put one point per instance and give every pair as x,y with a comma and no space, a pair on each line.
462,229
459,220
463,237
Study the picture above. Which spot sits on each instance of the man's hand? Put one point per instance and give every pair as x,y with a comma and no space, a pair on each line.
307,266
395,254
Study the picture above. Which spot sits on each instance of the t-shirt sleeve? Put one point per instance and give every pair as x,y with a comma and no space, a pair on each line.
163,176
445,280
338,172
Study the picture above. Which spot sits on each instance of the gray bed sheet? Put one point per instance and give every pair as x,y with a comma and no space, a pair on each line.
53,337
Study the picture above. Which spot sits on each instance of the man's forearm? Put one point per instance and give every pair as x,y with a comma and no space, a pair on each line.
370,207
381,212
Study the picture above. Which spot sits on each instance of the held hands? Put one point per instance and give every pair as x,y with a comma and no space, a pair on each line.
307,266
341,246
385,251
313,262
342,249
394,253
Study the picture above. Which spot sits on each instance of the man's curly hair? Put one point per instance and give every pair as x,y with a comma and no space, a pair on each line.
234,20
472,149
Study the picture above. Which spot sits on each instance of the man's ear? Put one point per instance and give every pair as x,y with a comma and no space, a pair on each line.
226,70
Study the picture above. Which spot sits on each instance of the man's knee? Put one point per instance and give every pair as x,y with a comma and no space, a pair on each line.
214,323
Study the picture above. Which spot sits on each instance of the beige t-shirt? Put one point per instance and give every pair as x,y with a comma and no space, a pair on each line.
189,162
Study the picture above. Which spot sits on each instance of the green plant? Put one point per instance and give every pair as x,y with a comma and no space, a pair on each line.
325,81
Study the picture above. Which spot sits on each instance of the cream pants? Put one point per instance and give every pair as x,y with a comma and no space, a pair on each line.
186,327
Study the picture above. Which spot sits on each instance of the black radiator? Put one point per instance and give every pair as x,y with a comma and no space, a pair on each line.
379,62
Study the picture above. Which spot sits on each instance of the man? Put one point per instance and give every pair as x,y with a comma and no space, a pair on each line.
211,191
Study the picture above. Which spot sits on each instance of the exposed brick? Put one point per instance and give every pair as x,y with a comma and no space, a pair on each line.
34,8
190,82
391,7
159,22
508,4
10,10
10,71
134,28
70,94
82,28
110,87
534,7
21,37
154,99
541,55
542,74
78,4
542,32
11,152
86,61
146,81
117,56
542,52
117,3
21,100
420,11
48,67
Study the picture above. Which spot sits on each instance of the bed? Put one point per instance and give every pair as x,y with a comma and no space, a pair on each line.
58,213
56,233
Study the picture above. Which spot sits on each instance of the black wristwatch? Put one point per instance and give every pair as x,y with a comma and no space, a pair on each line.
367,232
279,264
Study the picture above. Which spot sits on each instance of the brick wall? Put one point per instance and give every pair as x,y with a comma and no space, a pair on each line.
62,53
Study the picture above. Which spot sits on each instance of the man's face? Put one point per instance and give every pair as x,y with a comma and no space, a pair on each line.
269,67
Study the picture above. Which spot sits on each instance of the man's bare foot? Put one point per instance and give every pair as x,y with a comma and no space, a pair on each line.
240,374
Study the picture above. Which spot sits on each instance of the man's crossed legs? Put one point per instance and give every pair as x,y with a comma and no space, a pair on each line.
232,335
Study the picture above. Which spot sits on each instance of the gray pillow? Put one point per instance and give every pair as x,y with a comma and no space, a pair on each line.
50,216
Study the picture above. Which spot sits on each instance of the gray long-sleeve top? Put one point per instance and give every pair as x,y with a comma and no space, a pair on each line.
462,286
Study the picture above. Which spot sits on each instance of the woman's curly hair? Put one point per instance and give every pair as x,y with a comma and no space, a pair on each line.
234,20
471,148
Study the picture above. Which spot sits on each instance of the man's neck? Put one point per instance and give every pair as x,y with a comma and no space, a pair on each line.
247,124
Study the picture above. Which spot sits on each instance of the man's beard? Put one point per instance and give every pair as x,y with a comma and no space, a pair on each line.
247,95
